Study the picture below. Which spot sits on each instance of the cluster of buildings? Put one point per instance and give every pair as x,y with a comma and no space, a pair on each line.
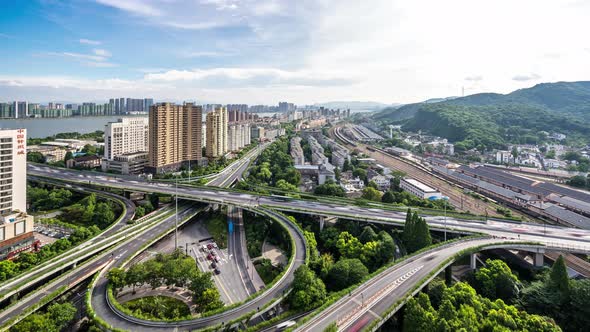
16,227
551,201
175,135
115,106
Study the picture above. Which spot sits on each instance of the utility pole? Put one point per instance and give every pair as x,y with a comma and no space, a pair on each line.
176,219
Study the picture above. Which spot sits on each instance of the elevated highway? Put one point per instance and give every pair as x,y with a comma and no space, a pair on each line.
567,239
376,300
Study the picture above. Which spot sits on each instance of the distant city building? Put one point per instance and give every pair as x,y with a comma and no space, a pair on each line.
21,109
127,135
297,151
174,136
16,227
217,126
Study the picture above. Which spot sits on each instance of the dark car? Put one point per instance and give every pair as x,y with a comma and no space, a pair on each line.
213,265
217,270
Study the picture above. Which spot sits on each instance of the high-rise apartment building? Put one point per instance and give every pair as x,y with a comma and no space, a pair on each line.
217,126
16,228
128,135
6,110
122,108
21,109
174,136
147,104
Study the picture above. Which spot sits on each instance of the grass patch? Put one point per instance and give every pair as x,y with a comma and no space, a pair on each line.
216,225
158,307
267,271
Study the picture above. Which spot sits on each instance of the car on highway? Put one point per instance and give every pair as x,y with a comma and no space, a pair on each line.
213,265
210,257
214,245
216,258
204,248
285,325
217,270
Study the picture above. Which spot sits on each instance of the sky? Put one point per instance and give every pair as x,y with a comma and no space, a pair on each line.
302,51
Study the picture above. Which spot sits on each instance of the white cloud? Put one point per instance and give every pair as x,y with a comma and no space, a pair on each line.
137,7
474,78
527,77
102,53
89,42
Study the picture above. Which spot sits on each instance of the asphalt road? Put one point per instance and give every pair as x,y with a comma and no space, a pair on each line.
372,299
69,256
127,247
115,319
569,239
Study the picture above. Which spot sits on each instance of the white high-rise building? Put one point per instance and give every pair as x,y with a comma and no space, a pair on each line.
16,228
128,135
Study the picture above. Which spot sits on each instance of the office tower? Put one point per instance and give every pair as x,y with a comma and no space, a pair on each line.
217,123
122,108
174,136
128,135
16,228
20,109
6,110
147,104
51,106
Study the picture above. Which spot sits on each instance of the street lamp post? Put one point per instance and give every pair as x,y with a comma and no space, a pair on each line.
176,219
446,200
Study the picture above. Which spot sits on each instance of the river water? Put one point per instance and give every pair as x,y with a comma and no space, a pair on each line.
43,127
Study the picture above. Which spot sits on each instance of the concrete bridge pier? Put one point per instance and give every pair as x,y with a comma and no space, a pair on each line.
539,259
473,261
322,222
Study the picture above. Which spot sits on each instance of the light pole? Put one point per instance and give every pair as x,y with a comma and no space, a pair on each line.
176,219
446,199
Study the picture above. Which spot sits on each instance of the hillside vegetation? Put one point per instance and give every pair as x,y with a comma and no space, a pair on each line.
490,120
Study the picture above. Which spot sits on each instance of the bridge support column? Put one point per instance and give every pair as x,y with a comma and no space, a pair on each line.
539,259
322,222
127,194
473,261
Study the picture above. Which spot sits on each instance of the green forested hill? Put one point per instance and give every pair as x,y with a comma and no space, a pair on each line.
492,120
494,126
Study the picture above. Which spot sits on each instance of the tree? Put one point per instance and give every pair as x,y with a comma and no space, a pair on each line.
348,245
416,234
69,155
61,314
322,265
388,197
370,255
559,279
371,194
312,244
116,277
422,233
368,234
35,157
462,309
208,300
330,189
496,280
286,186
386,247
103,215
308,291
346,272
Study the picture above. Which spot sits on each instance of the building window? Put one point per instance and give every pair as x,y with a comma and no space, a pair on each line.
19,228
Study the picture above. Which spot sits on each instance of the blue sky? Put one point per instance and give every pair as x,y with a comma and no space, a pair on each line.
305,51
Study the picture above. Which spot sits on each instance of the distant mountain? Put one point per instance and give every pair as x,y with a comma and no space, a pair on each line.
565,98
491,120
355,105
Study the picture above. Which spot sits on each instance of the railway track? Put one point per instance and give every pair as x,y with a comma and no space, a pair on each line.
457,198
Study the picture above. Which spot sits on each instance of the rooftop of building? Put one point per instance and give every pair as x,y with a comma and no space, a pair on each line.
420,185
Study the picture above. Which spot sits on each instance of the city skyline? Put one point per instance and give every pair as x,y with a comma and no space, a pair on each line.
262,52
